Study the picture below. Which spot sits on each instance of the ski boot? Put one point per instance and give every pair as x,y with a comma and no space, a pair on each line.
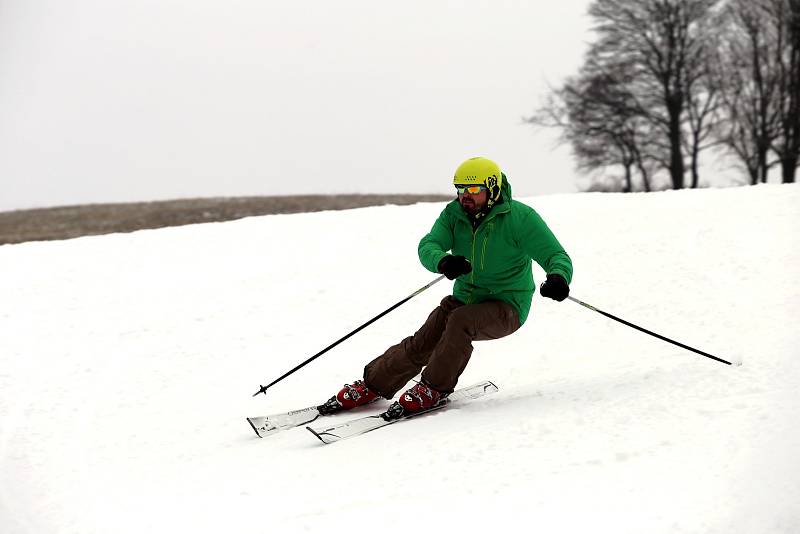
350,396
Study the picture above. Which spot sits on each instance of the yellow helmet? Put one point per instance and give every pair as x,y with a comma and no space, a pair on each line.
481,171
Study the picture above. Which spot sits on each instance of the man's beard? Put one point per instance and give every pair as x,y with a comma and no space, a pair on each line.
469,206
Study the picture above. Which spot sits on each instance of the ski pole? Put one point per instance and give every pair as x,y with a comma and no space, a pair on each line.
639,328
263,389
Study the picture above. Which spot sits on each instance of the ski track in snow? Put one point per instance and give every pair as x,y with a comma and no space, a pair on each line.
127,365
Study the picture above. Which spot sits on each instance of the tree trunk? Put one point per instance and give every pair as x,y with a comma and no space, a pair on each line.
754,176
628,179
644,174
763,166
677,169
789,169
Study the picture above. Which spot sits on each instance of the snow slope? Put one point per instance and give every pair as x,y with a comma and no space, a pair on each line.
127,365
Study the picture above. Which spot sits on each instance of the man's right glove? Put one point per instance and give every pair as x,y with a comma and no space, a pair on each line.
454,266
555,287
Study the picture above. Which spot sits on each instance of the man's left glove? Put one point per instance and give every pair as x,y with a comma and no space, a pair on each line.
555,287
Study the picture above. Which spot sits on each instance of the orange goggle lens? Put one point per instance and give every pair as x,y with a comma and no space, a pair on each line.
471,189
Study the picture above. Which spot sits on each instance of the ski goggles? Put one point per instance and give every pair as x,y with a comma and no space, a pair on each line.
471,189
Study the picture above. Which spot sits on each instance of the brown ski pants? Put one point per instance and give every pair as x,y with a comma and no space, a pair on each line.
443,346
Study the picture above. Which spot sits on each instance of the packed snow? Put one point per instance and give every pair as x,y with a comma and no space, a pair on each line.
128,364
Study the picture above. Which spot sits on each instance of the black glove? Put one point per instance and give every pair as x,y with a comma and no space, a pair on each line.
555,287
454,266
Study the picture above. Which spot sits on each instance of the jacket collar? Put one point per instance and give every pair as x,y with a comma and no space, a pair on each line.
497,209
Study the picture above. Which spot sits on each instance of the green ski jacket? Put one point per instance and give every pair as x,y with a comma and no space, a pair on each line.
500,250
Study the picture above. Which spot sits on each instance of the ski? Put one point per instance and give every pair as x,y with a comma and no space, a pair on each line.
268,425
362,425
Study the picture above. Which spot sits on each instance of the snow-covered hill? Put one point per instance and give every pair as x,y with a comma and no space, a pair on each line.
127,365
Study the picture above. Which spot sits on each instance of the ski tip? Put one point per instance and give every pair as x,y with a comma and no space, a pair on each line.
488,387
316,434
254,428
324,436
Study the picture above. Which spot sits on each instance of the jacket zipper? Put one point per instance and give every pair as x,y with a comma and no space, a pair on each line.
472,274
472,278
483,251
483,256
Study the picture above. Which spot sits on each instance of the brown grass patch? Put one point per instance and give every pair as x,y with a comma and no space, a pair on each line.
95,219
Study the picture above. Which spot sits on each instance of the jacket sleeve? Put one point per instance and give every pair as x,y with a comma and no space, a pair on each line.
434,246
538,242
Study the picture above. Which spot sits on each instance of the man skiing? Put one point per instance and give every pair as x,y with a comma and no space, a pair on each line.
485,241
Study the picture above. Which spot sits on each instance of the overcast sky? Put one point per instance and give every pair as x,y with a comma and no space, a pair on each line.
123,100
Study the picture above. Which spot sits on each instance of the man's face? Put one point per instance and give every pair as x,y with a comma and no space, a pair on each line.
472,203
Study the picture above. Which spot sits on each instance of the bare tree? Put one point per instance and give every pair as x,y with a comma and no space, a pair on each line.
668,79
597,116
747,72
785,15
703,101
666,42
610,130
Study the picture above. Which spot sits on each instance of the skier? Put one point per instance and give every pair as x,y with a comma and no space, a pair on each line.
485,241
